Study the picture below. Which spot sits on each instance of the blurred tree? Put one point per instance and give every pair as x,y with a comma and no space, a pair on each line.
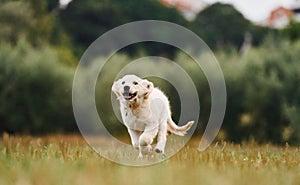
43,22
16,20
94,18
28,19
36,22
221,25
292,31
263,94
35,91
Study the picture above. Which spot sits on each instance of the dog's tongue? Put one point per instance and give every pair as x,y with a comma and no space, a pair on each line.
126,96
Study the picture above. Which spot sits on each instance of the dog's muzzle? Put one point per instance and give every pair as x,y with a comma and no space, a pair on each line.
129,96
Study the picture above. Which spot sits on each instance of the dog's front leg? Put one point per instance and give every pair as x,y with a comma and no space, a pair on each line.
146,140
134,136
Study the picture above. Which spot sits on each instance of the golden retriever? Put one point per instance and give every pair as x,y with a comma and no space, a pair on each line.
146,113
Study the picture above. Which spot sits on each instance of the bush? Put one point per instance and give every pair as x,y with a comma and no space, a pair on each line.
263,94
263,88
35,91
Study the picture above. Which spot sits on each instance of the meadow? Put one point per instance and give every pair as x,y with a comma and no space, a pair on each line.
63,160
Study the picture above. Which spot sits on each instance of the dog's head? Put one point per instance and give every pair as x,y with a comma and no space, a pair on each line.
132,88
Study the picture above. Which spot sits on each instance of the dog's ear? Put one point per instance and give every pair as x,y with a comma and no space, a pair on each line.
116,87
148,87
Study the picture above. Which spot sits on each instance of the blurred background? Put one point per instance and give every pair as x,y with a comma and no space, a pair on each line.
256,43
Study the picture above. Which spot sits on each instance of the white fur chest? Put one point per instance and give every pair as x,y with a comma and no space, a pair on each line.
136,119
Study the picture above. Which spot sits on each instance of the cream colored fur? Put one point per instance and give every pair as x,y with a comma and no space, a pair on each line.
146,113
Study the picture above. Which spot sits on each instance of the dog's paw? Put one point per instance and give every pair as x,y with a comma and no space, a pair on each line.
157,150
146,149
136,146
140,156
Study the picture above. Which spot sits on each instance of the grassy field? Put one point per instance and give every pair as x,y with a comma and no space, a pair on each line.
68,160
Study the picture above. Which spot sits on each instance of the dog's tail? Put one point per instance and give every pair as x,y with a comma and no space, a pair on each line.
179,130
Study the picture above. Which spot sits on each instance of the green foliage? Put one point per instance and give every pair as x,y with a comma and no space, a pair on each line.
38,42
16,21
265,81
93,18
292,31
221,25
263,91
35,91
32,20
217,32
25,19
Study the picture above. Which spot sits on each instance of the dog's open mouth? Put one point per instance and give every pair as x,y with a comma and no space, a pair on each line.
129,96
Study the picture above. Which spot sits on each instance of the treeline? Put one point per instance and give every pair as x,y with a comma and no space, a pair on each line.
41,43
70,30
263,87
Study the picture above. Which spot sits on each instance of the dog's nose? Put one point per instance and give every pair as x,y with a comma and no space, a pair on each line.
126,88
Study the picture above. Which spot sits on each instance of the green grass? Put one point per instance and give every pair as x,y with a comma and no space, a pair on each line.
68,160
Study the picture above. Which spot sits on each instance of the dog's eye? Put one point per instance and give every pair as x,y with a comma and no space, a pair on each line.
135,83
123,82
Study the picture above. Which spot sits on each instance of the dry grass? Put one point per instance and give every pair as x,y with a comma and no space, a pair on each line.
65,160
